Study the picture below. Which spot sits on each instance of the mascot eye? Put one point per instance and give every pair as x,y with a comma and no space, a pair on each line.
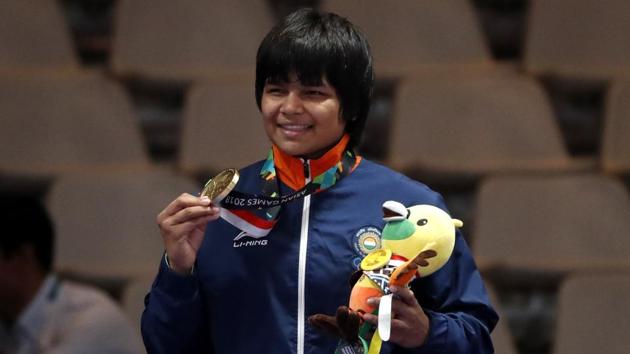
422,222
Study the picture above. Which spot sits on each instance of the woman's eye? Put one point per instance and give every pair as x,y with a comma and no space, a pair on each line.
274,91
315,93
422,222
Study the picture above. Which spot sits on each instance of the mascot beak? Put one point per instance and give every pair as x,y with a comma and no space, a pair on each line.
394,211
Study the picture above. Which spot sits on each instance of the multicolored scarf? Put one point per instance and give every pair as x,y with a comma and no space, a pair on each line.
250,214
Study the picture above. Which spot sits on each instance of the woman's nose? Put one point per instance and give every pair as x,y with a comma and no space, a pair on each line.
292,104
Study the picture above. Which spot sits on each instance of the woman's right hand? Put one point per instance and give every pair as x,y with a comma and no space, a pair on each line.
182,225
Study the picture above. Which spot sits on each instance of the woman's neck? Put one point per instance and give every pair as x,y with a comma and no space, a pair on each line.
290,169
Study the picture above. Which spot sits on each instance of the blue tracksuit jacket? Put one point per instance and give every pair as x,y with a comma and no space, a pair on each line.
254,295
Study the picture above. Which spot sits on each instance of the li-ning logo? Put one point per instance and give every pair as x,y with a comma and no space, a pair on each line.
252,241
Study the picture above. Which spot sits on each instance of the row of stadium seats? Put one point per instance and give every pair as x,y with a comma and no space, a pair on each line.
532,234
168,44
165,40
592,315
464,126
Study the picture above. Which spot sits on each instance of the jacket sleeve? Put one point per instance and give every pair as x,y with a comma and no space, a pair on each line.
459,310
173,320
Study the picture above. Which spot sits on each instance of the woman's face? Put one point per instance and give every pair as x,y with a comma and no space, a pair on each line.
303,121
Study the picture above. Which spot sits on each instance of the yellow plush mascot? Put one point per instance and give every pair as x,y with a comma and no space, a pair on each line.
416,242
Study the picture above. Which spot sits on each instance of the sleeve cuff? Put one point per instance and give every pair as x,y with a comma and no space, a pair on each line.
168,265
175,284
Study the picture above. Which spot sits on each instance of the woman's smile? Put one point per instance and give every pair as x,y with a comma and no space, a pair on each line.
302,120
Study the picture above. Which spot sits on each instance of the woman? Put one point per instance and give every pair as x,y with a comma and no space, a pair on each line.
235,282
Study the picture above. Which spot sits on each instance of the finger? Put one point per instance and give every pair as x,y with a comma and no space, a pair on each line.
410,332
202,222
198,233
185,200
368,317
374,301
183,229
405,295
180,231
399,330
191,213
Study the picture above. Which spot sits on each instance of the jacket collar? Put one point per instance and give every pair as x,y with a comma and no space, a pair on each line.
290,169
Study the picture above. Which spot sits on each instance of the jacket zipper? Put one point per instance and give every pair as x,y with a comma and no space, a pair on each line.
302,262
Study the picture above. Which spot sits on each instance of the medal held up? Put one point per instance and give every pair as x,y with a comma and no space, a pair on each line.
257,214
219,186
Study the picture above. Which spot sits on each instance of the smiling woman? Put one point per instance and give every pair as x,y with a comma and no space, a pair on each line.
246,281
327,59
302,120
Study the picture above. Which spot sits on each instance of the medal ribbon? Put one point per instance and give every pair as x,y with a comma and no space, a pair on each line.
256,214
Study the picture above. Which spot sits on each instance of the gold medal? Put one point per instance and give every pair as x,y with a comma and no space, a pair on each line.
377,259
220,185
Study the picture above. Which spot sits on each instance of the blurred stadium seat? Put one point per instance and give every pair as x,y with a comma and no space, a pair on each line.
133,297
474,125
578,39
186,41
594,314
34,38
106,221
502,338
551,225
410,36
56,124
615,154
222,128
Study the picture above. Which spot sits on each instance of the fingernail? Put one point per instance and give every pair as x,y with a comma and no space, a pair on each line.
205,200
371,301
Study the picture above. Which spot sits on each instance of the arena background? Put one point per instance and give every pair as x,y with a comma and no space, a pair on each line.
516,111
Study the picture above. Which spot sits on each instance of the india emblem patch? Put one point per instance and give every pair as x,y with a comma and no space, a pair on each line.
367,240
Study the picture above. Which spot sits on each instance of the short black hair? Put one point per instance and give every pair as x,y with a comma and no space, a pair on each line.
314,45
25,221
